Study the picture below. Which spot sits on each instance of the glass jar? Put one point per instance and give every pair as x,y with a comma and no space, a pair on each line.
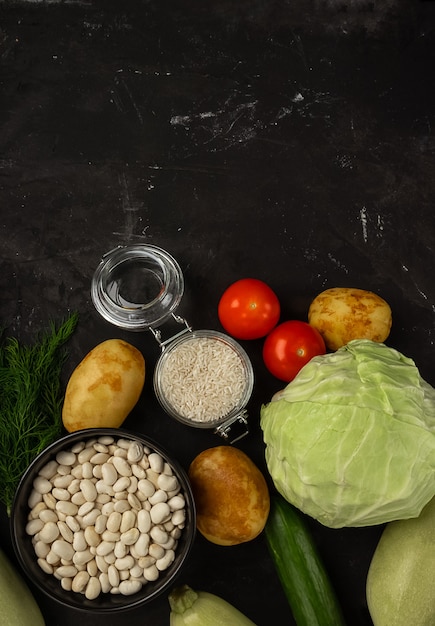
137,287
203,378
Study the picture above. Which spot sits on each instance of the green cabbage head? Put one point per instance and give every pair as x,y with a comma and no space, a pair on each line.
351,440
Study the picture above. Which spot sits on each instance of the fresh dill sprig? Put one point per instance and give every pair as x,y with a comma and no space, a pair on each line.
30,401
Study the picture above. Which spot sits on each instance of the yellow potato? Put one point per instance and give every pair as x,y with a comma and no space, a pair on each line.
104,387
341,314
231,496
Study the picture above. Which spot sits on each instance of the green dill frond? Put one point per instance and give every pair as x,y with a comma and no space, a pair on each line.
30,401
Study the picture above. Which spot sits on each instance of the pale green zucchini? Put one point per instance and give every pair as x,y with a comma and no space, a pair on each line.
200,608
18,606
401,577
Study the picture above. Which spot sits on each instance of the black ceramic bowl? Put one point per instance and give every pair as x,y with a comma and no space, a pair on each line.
48,583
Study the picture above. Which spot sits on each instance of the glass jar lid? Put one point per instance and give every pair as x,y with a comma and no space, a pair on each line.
137,287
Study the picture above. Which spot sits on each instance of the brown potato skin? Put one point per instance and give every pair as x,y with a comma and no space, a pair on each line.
231,496
104,387
342,314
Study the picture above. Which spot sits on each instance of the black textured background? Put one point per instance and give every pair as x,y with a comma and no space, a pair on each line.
289,141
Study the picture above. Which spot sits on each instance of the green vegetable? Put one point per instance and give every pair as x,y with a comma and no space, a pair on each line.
351,440
300,569
200,608
30,401
400,581
18,607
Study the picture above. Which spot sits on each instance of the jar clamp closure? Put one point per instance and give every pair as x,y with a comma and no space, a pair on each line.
203,378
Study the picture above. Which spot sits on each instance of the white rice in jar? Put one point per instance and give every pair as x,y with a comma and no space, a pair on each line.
203,379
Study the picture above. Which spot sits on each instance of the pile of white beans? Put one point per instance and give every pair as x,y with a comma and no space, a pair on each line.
106,516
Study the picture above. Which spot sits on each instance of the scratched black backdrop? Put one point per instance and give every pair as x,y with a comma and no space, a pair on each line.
290,141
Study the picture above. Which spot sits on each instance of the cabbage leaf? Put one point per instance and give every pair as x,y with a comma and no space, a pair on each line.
351,440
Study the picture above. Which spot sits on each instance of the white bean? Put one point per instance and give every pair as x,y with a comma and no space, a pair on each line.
134,452
49,532
165,561
34,499
79,542
66,584
146,561
63,549
50,500
130,537
160,512
92,567
49,470
80,581
122,466
120,550
156,462
90,518
87,470
129,587
62,482
167,483
144,521
158,534
78,498
142,544
106,587
106,440
48,515
102,487
121,506
108,535
45,566
179,517
72,523
91,536
113,574
74,485
99,458
65,531
105,547
65,458
146,486
128,520
85,508
134,502
68,508
66,571
177,502
122,484
83,557
138,471
42,485
109,473
41,549
151,573
34,526
88,489
102,564
158,496
156,551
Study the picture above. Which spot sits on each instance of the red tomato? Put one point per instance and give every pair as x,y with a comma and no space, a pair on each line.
249,309
289,347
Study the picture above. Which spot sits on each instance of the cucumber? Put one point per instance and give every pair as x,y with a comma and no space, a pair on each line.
18,607
302,574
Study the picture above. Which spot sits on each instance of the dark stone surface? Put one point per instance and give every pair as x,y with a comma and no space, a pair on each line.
289,141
